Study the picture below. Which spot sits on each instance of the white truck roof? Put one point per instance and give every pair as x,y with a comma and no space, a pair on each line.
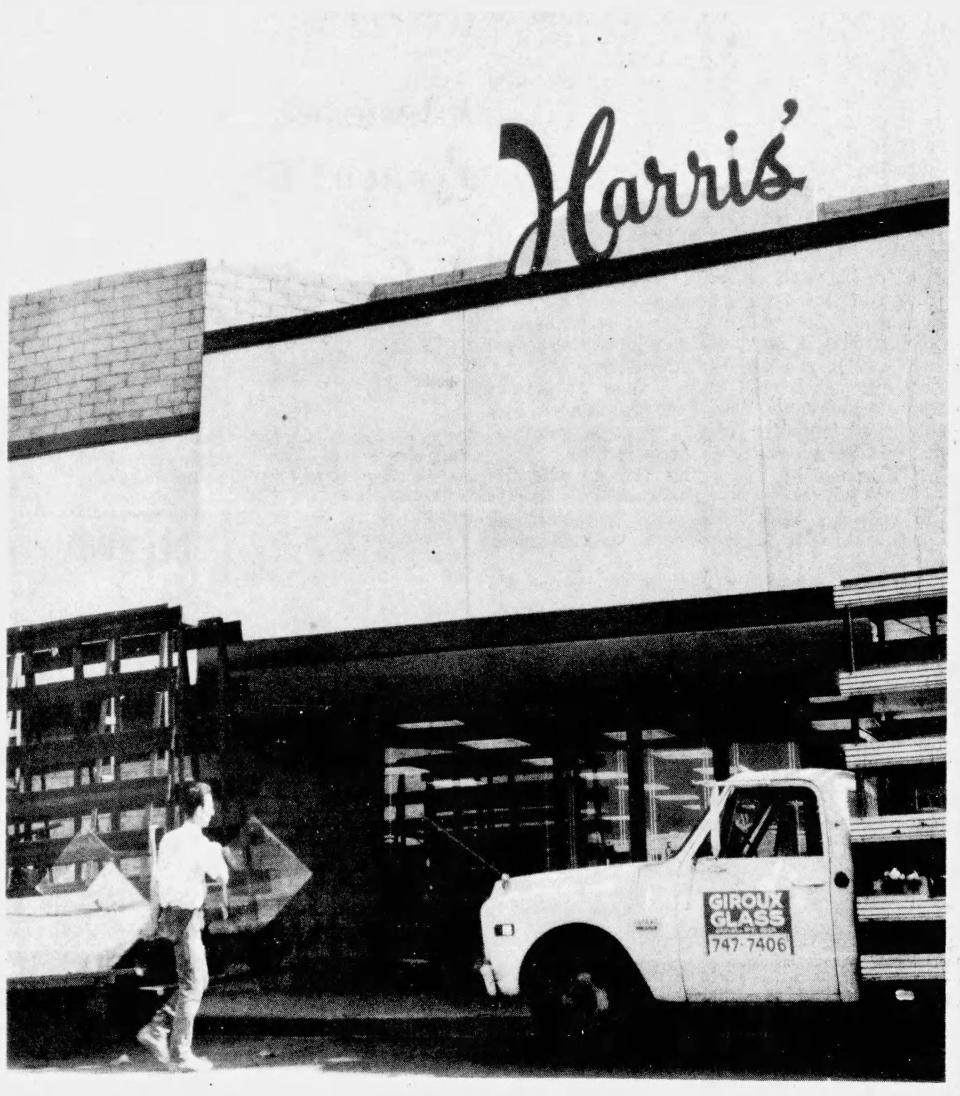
766,776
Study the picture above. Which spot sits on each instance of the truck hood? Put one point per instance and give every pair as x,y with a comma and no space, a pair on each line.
601,878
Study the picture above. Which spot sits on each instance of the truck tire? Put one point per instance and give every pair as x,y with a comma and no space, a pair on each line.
580,997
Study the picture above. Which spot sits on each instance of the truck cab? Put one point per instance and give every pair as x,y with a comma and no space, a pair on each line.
756,905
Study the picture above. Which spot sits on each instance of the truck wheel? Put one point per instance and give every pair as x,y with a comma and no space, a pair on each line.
578,998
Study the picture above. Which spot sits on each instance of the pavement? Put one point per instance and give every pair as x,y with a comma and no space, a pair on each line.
252,999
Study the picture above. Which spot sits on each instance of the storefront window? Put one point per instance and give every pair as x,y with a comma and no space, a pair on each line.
605,809
403,789
760,756
677,788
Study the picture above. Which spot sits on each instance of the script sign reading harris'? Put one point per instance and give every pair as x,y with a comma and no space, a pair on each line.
748,921
621,199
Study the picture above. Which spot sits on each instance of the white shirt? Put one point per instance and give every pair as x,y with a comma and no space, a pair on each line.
184,860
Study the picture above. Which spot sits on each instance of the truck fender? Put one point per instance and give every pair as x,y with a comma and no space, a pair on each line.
581,938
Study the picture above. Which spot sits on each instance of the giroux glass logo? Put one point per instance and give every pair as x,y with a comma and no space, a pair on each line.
620,204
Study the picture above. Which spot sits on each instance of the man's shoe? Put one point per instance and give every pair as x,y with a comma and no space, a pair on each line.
191,1064
157,1042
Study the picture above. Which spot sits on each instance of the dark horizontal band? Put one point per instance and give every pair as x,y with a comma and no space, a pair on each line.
109,434
875,224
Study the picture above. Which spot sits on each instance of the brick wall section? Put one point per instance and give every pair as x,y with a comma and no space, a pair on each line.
111,359
244,293
467,276
883,199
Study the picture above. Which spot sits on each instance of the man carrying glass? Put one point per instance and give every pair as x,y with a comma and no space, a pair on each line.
186,859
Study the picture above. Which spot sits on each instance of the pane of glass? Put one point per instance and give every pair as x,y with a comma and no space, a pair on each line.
50,677
94,659
135,770
133,819
88,774
135,866
605,809
89,870
15,670
61,779
140,652
677,788
762,756
906,628
746,820
52,722
401,808
137,711
103,823
62,827
761,822
768,843
14,728
94,715
801,817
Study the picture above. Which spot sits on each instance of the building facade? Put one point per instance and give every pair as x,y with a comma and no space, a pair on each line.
522,563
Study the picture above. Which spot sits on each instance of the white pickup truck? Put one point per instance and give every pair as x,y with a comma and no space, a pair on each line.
757,905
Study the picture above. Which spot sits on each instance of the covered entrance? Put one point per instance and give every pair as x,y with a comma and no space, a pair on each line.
425,761
580,788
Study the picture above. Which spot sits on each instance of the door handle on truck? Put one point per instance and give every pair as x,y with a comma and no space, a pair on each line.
809,885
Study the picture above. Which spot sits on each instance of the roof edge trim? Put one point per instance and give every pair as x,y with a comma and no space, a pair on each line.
808,236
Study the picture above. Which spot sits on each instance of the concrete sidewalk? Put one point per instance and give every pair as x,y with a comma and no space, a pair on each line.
249,1000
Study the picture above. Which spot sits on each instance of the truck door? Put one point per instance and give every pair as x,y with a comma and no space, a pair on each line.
756,921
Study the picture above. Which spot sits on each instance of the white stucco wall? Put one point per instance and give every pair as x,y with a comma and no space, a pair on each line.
764,425
758,426
101,529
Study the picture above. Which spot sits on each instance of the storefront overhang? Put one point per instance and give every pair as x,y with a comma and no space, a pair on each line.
692,667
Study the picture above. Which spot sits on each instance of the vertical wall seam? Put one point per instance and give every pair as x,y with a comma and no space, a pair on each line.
465,364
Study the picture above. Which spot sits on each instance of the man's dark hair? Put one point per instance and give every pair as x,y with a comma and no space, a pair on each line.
193,795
